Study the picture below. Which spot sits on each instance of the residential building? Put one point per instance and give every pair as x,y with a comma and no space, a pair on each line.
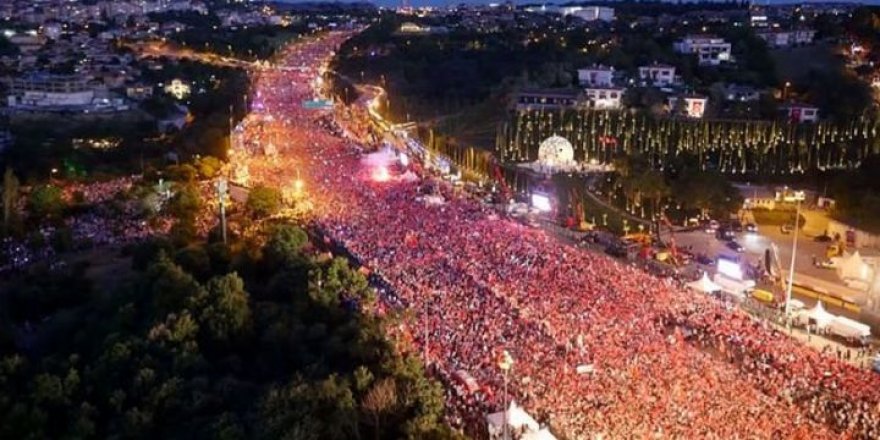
691,106
735,92
592,13
603,98
799,112
786,38
548,99
43,92
710,50
139,92
660,75
596,76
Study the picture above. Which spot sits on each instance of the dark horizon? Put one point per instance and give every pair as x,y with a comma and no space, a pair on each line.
444,3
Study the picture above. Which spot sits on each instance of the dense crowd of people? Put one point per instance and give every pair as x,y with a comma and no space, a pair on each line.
601,349
105,215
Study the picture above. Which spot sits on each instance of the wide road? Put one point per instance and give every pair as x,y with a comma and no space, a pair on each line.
600,349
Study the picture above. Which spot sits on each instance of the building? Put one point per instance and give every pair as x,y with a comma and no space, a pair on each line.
43,92
139,92
735,92
710,51
596,76
603,98
410,28
551,99
592,13
797,112
691,106
660,75
177,89
786,38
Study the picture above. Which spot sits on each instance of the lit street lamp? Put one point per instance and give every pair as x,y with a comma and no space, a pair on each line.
797,220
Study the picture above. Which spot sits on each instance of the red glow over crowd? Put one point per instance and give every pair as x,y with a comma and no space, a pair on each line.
665,363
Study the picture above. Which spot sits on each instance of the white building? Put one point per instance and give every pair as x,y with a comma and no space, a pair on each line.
603,98
40,92
710,51
797,112
693,107
591,13
596,76
50,91
787,38
660,75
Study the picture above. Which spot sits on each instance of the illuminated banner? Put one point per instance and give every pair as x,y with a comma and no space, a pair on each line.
317,104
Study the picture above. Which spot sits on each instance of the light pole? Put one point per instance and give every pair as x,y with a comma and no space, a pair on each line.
797,219
505,363
222,187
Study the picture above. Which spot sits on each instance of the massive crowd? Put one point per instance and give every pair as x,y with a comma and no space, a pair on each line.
601,349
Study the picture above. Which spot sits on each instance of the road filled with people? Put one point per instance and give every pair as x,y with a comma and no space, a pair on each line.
600,349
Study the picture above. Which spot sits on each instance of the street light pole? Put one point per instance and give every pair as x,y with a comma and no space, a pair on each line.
797,219
222,187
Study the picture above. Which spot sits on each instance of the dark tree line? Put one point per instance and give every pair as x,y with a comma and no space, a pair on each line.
249,340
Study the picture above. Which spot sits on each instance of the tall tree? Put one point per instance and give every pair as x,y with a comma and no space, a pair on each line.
10,196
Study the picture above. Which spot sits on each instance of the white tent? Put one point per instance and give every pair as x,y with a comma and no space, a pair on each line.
849,328
704,284
732,286
854,268
819,315
516,419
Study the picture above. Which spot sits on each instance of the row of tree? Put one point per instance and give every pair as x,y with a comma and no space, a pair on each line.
265,338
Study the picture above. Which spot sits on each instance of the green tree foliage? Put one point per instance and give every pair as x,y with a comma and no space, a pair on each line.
263,201
10,198
186,202
224,312
286,244
46,202
165,356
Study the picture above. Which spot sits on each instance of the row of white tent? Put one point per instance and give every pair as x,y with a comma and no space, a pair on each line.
838,325
821,318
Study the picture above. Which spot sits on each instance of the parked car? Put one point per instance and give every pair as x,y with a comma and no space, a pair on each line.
724,234
734,246
736,226
786,228
751,227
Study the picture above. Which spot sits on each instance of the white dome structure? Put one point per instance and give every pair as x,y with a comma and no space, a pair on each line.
556,151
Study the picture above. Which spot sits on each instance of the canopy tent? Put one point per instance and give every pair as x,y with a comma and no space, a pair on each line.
704,284
516,418
854,268
819,315
734,287
849,328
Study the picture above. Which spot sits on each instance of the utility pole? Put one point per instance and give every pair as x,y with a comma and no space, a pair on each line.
222,187
797,219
